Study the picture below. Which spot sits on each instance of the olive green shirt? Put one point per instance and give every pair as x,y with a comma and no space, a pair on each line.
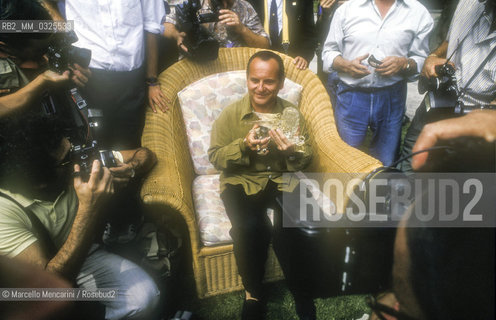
11,77
16,230
239,164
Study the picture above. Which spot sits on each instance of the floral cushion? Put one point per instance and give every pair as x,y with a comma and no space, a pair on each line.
202,102
211,215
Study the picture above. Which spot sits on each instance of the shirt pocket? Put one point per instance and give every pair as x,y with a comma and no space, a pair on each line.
131,13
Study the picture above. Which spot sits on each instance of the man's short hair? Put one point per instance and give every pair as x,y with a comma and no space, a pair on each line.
265,55
22,10
452,271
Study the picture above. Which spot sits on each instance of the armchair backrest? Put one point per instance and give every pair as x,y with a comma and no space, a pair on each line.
202,102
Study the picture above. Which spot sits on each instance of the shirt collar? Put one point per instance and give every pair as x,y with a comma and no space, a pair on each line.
23,201
406,2
247,110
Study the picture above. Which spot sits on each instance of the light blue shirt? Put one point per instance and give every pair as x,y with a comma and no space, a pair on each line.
357,28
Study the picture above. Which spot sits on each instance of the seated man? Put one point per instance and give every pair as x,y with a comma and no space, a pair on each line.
238,26
252,178
49,220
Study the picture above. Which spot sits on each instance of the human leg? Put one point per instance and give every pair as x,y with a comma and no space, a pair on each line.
352,114
121,97
137,294
295,257
388,109
413,132
251,233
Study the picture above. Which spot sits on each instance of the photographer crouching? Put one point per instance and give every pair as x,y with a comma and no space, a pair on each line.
460,75
55,181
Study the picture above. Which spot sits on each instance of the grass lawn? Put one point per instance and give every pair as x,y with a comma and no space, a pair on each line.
280,306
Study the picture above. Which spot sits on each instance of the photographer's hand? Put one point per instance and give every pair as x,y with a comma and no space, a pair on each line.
429,69
478,123
92,194
52,77
171,32
80,75
230,19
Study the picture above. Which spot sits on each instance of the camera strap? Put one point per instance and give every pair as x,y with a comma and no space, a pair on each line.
39,230
477,71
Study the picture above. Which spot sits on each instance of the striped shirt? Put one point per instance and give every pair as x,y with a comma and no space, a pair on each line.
473,23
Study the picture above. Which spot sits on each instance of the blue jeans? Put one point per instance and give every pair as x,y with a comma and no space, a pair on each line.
381,109
137,294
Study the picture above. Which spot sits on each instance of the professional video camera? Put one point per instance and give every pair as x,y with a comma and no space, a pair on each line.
83,123
201,44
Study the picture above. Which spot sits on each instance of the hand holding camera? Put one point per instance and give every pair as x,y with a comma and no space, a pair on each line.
429,69
230,19
93,193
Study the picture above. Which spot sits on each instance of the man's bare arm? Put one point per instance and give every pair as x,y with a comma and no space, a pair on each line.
137,163
437,57
69,259
30,93
51,7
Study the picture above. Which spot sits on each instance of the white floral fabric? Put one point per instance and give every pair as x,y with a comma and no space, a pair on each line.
212,218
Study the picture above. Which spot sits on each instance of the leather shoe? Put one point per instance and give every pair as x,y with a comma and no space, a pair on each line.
253,310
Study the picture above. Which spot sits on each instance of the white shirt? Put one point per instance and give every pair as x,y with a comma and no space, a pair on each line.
473,24
357,28
114,30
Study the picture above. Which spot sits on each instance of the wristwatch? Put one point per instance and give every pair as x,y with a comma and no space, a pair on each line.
151,81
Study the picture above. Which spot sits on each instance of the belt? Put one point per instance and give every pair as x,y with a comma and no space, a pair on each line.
372,89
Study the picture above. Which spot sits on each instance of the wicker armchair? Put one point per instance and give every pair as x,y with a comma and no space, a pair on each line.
169,184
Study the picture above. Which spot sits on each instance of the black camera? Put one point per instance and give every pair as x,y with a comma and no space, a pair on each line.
84,157
442,92
61,53
446,80
83,124
201,44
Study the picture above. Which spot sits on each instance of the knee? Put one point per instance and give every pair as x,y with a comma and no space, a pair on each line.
143,300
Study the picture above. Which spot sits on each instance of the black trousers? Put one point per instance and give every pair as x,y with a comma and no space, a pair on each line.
251,233
121,96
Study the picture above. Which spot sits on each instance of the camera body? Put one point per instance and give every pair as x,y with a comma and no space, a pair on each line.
442,92
61,53
83,123
84,157
201,44
446,80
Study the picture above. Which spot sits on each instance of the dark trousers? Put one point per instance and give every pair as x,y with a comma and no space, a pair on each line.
251,233
121,96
